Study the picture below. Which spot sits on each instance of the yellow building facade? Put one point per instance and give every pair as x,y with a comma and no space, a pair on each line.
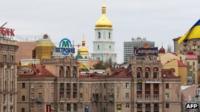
173,61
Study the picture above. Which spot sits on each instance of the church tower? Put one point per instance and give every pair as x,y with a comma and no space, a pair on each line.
103,45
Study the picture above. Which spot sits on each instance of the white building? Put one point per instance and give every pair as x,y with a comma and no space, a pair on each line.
103,45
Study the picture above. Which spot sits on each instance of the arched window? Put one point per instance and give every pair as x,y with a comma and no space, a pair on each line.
147,72
155,72
68,71
74,72
61,71
99,35
139,72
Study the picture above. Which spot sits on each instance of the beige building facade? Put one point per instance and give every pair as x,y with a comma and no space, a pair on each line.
154,89
8,75
142,87
36,87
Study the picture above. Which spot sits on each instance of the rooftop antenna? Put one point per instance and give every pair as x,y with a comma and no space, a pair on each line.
3,25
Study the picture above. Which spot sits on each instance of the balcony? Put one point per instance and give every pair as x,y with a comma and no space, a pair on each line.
147,98
156,96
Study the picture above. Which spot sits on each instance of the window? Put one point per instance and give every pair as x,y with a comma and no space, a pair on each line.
12,58
127,105
139,107
22,109
139,90
98,47
166,95
68,90
61,72
139,87
139,72
11,109
139,75
147,90
23,85
147,107
110,47
146,74
155,75
167,86
119,106
68,107
75,107
61,90
109,35
23,98
127,85
127,95
68,72
156,90
81,95
193,63
156,107
99,35
74,90
167,105
61,107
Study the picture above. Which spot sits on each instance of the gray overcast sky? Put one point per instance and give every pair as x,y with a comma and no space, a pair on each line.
156,20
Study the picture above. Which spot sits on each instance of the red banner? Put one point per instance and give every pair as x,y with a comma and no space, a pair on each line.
7,32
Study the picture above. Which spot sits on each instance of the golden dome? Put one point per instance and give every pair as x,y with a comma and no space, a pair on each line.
45,41
83,50
103,21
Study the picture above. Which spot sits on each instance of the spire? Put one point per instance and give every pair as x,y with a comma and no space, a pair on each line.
103,21
104,8
83,40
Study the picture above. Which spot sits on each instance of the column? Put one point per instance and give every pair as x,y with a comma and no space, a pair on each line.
151,91
65,75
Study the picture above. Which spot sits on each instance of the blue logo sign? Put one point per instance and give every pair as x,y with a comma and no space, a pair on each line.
65,47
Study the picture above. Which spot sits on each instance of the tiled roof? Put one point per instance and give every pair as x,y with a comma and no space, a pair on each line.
34,71
115,73
121,73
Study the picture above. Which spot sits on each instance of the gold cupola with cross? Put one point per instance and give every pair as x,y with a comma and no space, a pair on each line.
103,21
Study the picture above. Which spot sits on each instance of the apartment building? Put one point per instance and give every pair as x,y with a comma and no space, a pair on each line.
8,74
154,89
